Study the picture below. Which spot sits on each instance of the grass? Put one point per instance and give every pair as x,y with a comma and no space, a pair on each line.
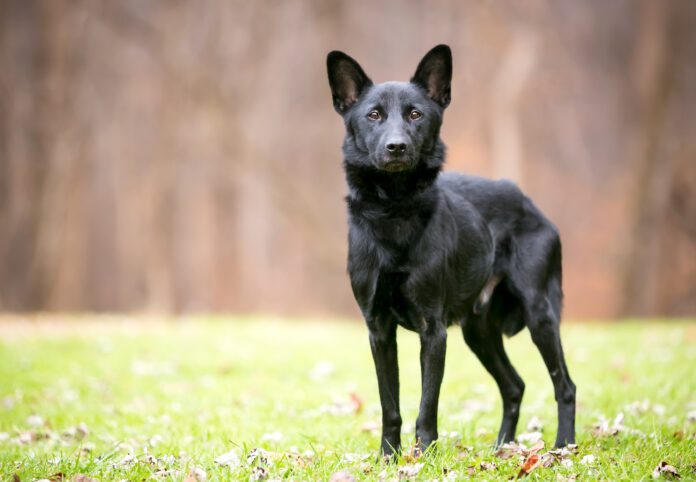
160,399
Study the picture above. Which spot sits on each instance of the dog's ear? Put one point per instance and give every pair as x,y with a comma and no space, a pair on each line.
347,80
434,74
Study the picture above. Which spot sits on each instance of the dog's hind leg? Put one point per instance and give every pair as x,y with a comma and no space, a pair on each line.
544,325
486,341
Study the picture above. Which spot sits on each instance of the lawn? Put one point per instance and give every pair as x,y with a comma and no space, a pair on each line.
114,398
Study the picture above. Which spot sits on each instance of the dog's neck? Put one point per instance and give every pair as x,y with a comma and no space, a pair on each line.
368,184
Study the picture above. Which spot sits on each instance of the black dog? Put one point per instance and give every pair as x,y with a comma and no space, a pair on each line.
428,249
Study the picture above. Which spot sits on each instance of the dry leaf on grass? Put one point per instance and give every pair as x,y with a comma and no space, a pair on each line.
588,460
511,449
356,402
259,473
570,478
196,475
371,427
76,433
412,454
353,457
341,477
531,463
229,459
488,465
534,424
665,470
409,471
82,478
259,456
36,421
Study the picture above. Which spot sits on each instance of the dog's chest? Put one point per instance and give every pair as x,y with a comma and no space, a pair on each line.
391,301
395,232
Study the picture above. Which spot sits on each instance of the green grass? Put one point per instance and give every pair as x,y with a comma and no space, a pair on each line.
186,392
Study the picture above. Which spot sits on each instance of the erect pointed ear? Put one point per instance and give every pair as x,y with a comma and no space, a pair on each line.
434,74
347,80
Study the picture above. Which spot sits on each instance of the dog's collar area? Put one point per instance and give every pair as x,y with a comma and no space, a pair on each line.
370,184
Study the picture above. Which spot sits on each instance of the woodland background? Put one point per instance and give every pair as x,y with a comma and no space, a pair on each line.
184,156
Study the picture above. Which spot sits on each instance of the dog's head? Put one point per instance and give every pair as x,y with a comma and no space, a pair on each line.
391,126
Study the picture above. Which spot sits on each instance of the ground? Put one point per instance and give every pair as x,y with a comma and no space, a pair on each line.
117,398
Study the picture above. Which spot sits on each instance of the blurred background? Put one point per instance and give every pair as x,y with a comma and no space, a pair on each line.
184,156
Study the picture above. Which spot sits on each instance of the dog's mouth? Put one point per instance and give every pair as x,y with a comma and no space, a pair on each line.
395,166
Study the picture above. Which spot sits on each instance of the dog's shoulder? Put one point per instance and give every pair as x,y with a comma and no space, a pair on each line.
480,190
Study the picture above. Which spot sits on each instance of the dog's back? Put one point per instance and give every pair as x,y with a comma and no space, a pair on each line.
527,247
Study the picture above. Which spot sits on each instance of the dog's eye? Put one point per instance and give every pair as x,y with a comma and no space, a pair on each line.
374,115
415,115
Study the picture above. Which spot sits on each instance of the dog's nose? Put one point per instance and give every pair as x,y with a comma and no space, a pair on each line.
396,147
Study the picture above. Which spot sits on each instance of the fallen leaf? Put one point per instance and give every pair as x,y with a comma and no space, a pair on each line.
409,471
534,424
357,403
29,437
665,470
450,474
229,459
366,468
488,465
603,427
259,456
532,462
196,475
547,460
588,459
534,448
512,449
82,478
414,453
341,477
76,433
259,473
570,478
353,457
371,427
35,420
508,450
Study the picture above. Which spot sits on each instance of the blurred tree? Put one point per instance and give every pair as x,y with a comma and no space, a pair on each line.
179,156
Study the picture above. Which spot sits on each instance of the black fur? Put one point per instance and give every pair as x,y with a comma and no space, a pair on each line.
428,249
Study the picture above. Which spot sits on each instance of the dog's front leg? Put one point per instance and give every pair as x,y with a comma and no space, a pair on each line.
432,357
383,345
